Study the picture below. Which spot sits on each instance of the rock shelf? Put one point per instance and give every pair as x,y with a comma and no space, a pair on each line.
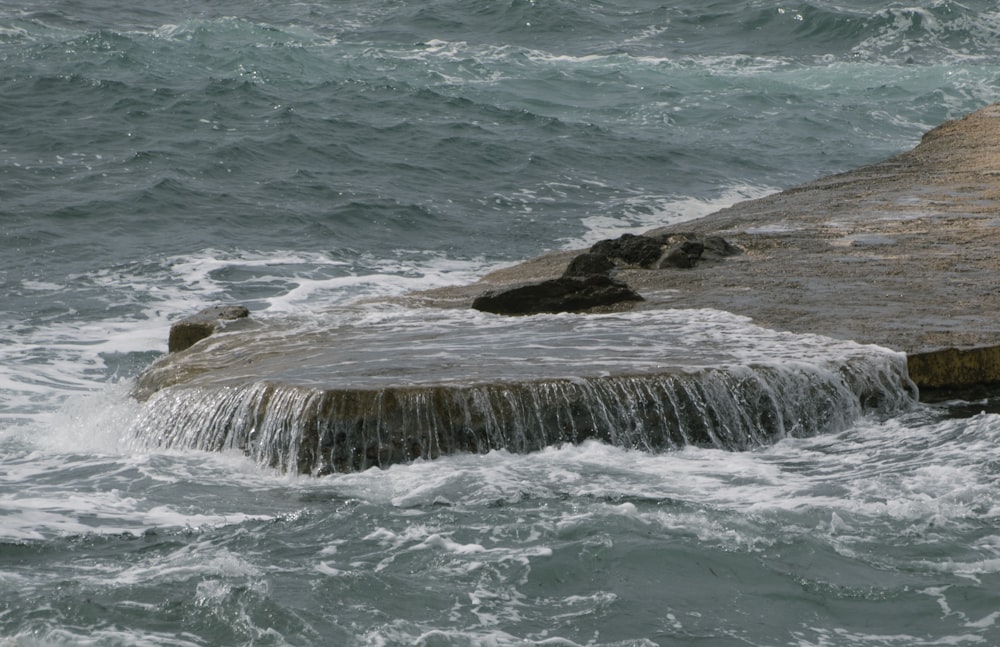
902,253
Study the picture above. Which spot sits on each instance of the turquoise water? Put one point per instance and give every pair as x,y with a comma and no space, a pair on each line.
159,158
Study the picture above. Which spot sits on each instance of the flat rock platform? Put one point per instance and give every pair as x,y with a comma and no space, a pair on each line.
901,254
904,253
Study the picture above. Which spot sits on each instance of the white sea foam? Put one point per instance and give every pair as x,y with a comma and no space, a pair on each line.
302,279
650,212
47,364
912,30
36,508
929,479
198,560
64,637
849,488
722,64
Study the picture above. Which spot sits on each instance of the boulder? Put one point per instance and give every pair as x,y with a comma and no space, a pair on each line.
629,249
662,251
589,263
682,251
190,330
564,294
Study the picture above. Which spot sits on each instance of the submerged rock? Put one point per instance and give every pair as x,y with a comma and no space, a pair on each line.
564,294
190,330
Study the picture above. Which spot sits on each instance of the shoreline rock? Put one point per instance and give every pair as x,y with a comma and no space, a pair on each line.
587,284
900,253
190,330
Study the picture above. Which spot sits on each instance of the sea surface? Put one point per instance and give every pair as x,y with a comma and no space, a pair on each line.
296,157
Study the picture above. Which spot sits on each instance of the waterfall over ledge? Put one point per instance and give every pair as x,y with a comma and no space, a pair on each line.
374,387
900,254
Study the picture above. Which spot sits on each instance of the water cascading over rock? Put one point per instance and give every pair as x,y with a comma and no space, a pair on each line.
561,380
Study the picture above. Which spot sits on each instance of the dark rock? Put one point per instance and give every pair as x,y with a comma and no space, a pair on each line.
589,263
697,248
641,251
693,249
565,294
664,250
677,257
684,254
718,247
190,330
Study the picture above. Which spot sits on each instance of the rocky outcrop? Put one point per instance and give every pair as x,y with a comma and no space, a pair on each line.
660,251
901,254
587,282
320,431
589,263
190,330
942,373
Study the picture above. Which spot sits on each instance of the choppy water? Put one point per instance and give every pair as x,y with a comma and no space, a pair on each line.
156,158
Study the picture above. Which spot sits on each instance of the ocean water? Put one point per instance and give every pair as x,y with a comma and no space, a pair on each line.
300,158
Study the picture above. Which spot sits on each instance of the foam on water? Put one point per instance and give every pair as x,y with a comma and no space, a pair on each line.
77,474
918,32
875,503
938,470
300,156
649,213
916,480
135,305
762,503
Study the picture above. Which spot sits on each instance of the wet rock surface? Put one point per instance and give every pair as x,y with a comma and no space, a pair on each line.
190,330
901,253
587,282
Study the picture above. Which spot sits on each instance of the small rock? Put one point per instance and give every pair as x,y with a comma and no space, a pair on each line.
190,330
